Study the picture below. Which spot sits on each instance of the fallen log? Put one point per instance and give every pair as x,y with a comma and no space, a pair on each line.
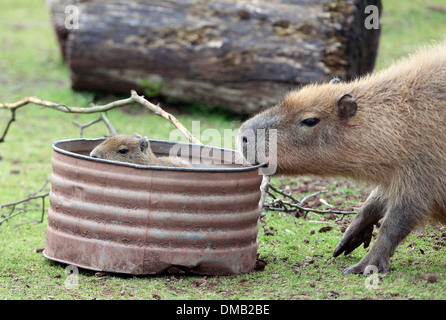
240,55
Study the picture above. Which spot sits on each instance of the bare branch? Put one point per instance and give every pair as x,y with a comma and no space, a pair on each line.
103,118
45,183
305,199
11,120
109,125
11,216
94,109
14,204
288,195
62,107
83,126
277,204
160,112
32,196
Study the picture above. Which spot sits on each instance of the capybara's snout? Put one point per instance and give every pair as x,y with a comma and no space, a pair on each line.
254,139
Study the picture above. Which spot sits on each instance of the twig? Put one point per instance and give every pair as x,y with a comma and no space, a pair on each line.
288,195
11,216
32,196
160,112
94,109
11,120
23,200
45,183
83,126
277,204
103,118
305,199
107,122
14,204
64,108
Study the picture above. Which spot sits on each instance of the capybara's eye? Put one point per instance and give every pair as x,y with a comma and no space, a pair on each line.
123,151
310,122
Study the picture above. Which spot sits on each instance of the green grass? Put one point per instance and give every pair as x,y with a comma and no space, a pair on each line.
300,263
406,25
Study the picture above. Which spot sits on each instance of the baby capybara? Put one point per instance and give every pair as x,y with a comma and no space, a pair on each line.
387,129
134,149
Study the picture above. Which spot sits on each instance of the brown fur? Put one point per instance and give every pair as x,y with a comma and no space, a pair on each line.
138,152
396,141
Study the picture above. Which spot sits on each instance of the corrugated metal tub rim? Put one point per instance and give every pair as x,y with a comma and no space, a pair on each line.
213,169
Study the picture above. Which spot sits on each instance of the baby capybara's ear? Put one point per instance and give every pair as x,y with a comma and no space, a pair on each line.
346,106
143,143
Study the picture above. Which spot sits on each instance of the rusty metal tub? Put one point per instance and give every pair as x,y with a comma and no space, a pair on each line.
125,218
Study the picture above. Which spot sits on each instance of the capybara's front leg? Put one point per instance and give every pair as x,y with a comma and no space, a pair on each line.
360,230
399,221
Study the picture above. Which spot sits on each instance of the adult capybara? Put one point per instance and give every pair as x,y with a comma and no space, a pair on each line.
387,129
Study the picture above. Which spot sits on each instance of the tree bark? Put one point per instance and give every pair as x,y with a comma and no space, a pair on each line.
240,55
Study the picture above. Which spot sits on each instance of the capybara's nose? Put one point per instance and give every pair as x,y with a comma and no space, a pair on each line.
244,142
93,154
247,143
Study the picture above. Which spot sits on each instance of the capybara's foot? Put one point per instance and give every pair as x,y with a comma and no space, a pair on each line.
369,265
357,233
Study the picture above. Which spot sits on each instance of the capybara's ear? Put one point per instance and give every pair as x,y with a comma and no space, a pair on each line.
335,80
143,144
346,106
